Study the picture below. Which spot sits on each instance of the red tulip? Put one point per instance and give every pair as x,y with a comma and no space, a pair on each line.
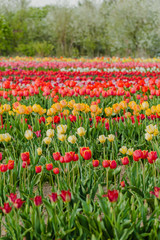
10,164
152,156
56,156
18,203
137,154
42,119
95,163
67,157
55,170
0,156
38,133
86,153
125,160
25,156
144,154
53,197
24,164
61,159
106,163
156,192
3,167
38,200
113,164
38,169
66,196
12,197
56,119
76,157
122,184
7,208
112,195
49,166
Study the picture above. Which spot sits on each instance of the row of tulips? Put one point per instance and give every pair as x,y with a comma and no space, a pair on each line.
79,149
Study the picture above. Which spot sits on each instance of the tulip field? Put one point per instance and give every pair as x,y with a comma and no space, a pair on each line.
79,148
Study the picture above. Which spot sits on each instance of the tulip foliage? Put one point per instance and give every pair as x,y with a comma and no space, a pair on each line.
79,148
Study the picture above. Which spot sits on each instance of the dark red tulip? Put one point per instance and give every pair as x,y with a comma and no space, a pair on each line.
53,197
66,196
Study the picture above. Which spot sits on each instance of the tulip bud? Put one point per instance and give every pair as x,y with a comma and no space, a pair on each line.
122,184
55,170
39,151
95,163
24,164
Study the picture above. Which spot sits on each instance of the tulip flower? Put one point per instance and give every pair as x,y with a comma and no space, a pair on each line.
156,192
24,164
144,154
152,156
72,139
25,156
10,164
61,137
56,170
137,155
38,133
111,138
106,163
65,195
18,203
38,200
28,134
102,138
49,166
130,151
0,156
7,137
125,160
3,167
6,209
81,131
75,158
122,184
39,151
95,163
112,195
123,150
56,156
50,133
53,197
61,129
12,197
113,164
47,140
86,153
38,169
148,137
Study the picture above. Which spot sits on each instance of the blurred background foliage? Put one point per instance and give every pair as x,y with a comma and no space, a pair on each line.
91,28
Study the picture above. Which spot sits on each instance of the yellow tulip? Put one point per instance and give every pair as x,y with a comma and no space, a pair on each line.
102,138
28,134
81,131
123,150
39,151
72,139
